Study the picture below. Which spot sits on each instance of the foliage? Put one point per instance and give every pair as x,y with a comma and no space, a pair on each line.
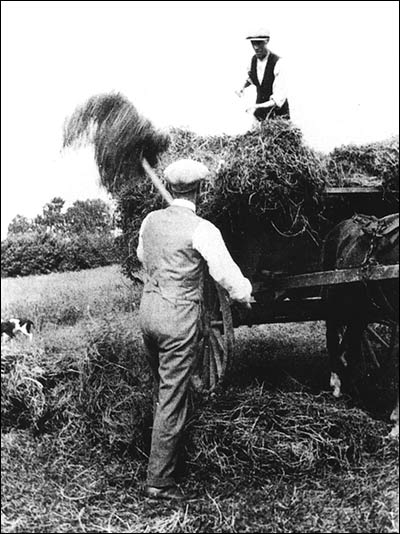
91,215
52,219
56,240
20,225
39,253
88,216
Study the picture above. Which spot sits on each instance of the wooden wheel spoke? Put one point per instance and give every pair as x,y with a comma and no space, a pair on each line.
213,370
216,353
343,343
214,306
342,346
226,346
370,350
394,336
206,366
219,340
377,337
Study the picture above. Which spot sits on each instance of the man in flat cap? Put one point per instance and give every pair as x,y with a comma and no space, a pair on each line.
267,74
174,246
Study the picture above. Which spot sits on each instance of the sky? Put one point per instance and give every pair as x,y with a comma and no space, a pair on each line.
180,64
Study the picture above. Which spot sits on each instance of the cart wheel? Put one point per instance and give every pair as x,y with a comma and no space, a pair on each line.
216,346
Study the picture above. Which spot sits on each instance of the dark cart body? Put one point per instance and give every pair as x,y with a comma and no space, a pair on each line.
294,294
286,275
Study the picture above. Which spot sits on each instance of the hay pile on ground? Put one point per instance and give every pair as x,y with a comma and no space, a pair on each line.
265,459
115,391
38,390
105,401
101,394
252,431
53,490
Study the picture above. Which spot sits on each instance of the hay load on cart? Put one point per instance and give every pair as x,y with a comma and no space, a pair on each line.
273,197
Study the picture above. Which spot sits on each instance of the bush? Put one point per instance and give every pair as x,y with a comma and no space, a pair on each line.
39,253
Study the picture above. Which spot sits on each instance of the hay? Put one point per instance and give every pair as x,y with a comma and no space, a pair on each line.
250,432
120,136
116,391
37,390
260,456
106,401
269,182
368,164
270,170
99,394
266,180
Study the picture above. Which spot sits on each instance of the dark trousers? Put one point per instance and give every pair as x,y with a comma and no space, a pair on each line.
170,334
261,114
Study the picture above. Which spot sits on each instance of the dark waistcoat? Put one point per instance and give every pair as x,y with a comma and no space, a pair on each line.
264,88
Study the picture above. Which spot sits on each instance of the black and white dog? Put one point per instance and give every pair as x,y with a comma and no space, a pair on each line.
10,328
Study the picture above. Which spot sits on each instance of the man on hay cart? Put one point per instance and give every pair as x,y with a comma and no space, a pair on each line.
266,73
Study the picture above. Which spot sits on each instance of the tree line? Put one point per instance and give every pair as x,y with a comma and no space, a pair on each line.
58,239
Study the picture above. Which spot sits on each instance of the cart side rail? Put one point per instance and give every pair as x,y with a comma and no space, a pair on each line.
337,276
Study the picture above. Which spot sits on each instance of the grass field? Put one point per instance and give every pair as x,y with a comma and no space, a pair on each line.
272,453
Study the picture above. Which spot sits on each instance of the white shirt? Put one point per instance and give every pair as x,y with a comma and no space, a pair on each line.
279,92
208,241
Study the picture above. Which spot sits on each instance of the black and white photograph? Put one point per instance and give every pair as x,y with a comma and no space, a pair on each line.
199,266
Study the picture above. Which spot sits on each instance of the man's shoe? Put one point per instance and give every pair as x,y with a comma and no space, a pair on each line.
169,493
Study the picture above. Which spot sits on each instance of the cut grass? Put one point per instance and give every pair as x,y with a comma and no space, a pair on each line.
272,453
45,489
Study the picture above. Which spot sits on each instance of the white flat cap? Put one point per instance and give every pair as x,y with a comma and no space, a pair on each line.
259,34
184,174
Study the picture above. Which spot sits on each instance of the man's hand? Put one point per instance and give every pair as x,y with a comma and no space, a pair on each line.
248,304
263,105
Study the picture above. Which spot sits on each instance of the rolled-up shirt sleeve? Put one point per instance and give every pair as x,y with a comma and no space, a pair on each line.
139,250
279,88
208,241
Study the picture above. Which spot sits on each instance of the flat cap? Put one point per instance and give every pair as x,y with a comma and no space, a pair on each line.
184,174
259,34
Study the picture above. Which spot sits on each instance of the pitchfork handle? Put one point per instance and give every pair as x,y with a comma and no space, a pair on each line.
157,182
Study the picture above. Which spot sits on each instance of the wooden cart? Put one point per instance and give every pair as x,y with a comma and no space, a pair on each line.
295,296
